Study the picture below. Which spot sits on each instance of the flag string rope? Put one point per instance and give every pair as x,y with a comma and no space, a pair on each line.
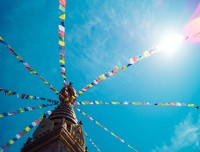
91,141
23,132
61,42
27,109
132,61
27,66
110,132
26,96
136,103
112,72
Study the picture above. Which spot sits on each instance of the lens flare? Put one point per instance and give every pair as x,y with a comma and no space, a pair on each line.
170,42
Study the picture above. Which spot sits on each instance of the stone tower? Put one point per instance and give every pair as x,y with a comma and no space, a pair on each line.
60,132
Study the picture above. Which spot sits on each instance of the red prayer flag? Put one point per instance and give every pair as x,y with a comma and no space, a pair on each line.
97,80
135,59
113,71
62,2
61,33
62,55
11,50
28,67
4,147
21,133
37,121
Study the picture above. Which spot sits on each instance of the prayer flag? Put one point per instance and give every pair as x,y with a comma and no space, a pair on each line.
33,72
190,105
135,59
11,142
61,33
90,85
124,67
34,124
62,61
63,2
102,77
62,43
27,129
62,16
80,92
62,8
146,54
61,28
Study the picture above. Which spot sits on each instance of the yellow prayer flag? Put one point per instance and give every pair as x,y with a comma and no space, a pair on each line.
102,77
190,105
21,110
31,97
146,54
45,82
11,142
55,91
1,38
33,72
90,85
18,57
1,116
80,92
64,76
62,61
97,102
62,16
40,107
97,122
66,99
27,129
124,67
73,97
83,103
62,43
116,68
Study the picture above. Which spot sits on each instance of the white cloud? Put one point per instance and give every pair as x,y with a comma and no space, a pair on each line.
186,134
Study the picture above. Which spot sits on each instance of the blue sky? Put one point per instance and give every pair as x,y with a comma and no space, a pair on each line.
99,36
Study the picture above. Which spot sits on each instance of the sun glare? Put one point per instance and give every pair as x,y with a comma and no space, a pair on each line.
170,42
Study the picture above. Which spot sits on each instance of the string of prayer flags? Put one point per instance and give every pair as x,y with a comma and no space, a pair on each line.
110,132
21,110
136,103
110,73
27,66
23,132
26,96
61,42
95,146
